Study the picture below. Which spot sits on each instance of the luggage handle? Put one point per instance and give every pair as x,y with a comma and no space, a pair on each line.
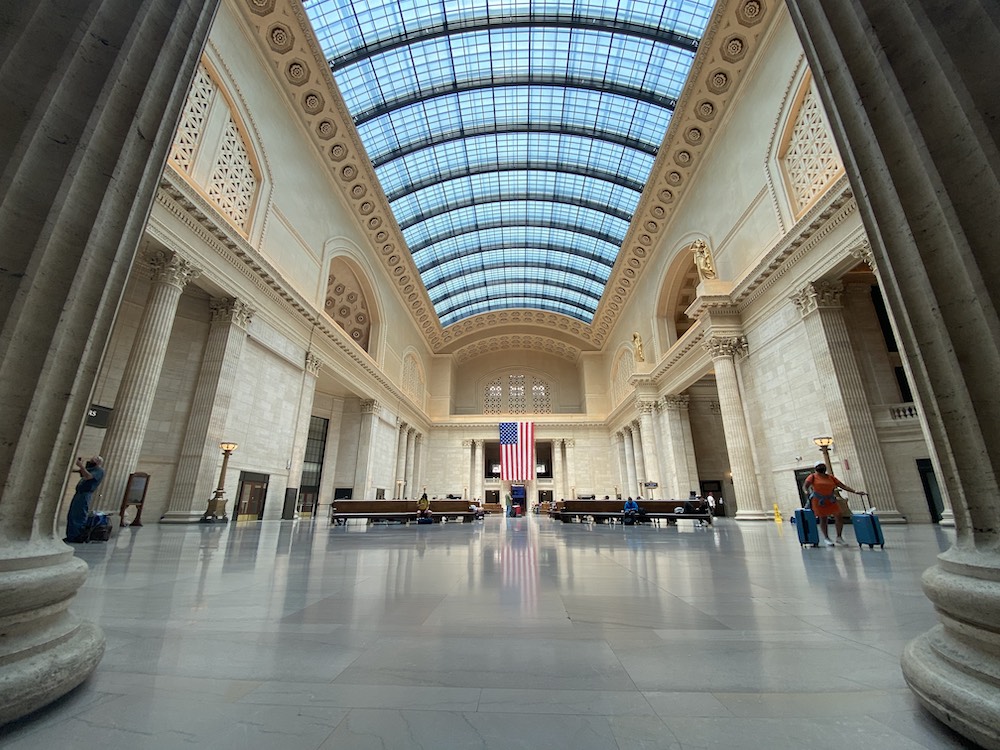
866,502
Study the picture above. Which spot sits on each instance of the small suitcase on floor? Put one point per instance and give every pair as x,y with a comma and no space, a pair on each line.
425,519
867,527
805,525
97,528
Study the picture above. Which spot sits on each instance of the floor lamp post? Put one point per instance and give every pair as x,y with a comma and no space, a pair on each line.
824,444
216,511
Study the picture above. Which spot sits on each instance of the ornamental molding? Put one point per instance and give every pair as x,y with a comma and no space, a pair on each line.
863,252
204,223
726,51
535,343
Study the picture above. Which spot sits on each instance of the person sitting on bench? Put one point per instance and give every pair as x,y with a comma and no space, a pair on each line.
423,507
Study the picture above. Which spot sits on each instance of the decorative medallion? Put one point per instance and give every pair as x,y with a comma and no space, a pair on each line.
705,110
326,129
719,81
751,12
312,102
280,38
734,48
297,72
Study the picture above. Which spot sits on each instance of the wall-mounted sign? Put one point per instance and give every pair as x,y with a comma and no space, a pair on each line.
98,416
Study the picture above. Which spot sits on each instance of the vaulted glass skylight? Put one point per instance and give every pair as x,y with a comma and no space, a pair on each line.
512,139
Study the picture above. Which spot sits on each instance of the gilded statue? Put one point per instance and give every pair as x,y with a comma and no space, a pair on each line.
637,347
703,259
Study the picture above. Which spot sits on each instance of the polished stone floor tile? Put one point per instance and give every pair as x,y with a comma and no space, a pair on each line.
513,633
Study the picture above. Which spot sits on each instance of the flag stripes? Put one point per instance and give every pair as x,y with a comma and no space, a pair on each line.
517,450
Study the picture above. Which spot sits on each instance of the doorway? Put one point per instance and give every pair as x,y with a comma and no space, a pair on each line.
800,478
493,496
252,496
931,490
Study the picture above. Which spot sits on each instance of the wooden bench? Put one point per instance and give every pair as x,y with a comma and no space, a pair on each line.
403,511
611,510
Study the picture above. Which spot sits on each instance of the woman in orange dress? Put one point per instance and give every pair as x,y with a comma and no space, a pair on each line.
819,487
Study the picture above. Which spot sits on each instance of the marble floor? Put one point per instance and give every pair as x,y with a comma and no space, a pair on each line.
508,633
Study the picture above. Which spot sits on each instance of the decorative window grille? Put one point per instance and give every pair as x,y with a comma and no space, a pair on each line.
540,399
493,398
413,379
624,369
515,394
232,183
185,145
810,161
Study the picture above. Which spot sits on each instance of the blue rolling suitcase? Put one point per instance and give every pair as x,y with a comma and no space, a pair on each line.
867,527
805,524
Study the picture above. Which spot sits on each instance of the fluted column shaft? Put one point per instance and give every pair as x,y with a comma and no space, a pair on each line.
123,441
622,461
399,486
748,503
417,458
851,422
557,470
82,151
649,451
307,393
197,469
914,118
363,471
676,409
639,458
570,444
630,470
410,490
329,479
469,451
478,469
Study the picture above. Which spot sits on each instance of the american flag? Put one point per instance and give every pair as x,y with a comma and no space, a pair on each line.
517,450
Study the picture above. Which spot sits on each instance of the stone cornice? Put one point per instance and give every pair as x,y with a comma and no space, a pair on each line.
203,221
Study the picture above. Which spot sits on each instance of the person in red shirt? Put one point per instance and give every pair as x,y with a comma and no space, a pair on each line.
819,487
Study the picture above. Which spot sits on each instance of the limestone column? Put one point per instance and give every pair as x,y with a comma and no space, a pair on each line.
366,450
469,453
411,446
418,455
723,350
82,154
640,461
558,470
649,450
328,481
571,464
675,407
622,461
913,113
851,424
630,469
198,466
399,486
307,392
122,444
690,457
478,469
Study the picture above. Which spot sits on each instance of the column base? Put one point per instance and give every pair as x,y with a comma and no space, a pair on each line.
958,697
754,515
181,516
947,519
45,651
890,517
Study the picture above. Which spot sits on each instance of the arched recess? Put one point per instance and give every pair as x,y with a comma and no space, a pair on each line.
677,292
351,302
413,380
217,149
622,369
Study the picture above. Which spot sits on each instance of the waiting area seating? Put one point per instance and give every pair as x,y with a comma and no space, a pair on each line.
601,511
402,511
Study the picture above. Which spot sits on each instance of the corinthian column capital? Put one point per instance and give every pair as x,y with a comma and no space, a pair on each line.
231,310
818,294
370,407
719,347
645,407
675,402
313,364
166,267
863,252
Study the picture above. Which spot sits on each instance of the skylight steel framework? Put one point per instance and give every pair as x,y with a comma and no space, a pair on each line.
512,139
